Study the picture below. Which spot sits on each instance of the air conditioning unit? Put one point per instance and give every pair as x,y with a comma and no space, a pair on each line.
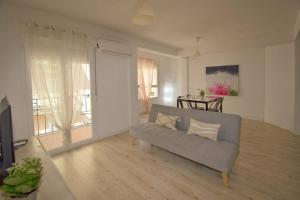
113,47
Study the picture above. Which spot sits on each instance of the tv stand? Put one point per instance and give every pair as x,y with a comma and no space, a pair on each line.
3,174
52,185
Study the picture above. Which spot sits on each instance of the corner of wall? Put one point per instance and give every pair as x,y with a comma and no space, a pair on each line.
297,86
297,25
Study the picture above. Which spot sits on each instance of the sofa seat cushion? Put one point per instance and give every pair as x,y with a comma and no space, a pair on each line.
219,155
154,133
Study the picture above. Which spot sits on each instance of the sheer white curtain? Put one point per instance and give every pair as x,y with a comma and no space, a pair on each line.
58,61
145,80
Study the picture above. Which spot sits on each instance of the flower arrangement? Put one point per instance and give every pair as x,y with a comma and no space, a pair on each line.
23,178
201,93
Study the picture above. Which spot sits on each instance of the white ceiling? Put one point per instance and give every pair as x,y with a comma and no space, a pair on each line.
222,23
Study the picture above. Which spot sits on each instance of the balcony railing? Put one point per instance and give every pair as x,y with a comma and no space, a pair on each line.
42,124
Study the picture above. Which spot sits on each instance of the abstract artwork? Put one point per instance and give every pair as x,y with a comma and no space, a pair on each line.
222,80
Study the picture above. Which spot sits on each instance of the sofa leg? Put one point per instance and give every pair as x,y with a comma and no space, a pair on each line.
236,162
225,179
134,141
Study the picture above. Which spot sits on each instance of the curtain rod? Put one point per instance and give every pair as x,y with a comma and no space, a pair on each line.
75,32
53,28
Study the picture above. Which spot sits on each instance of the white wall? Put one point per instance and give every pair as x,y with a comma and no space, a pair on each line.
280,83
171,78
13,75
250,102
297,85
13,81
267,83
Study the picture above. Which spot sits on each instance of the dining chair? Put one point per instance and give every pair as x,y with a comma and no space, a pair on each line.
180,102
192,104
188,103
217,106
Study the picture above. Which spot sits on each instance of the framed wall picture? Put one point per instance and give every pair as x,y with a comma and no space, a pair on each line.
222,80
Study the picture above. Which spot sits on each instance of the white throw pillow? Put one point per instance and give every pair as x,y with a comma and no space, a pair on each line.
166,120
206,130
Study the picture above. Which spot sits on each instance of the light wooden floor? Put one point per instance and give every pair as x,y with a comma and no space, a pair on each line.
55,140
268,168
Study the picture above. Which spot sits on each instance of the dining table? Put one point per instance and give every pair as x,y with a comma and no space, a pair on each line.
193,101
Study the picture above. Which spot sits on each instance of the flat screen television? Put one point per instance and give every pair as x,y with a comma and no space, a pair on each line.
7,155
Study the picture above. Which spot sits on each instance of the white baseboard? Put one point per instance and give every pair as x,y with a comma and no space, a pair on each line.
296,133
252,118
273,123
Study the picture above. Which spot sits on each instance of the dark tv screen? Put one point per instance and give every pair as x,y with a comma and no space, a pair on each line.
7,156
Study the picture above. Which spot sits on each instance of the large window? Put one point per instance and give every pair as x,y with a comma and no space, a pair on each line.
152,72
46,99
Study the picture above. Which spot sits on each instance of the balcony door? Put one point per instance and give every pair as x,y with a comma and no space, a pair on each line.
58,61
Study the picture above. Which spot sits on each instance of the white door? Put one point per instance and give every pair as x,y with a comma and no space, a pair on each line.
111,109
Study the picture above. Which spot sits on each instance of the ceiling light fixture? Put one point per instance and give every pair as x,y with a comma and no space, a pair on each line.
144,14
197,52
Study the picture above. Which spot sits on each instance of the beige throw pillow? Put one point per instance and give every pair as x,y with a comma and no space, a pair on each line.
206,130
166,120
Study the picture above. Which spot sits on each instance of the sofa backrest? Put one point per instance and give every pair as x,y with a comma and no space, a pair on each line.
230,124
168,110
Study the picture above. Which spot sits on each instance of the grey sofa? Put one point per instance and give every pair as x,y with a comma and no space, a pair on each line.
219,155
